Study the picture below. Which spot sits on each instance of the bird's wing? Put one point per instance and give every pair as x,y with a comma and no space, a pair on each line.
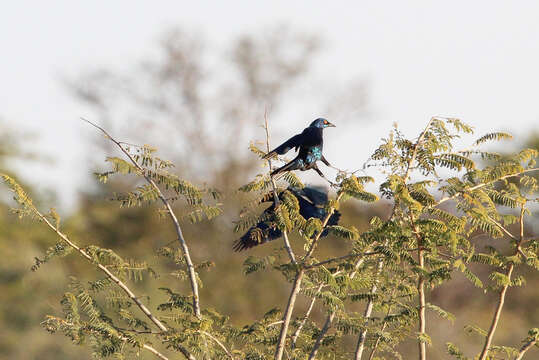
293,142
317,196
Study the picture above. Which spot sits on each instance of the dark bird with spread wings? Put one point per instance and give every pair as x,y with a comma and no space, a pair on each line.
310,144
311,204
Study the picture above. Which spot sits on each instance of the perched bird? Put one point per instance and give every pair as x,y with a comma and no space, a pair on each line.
311,204
310,144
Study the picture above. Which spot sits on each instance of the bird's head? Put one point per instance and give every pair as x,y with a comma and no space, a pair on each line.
321,123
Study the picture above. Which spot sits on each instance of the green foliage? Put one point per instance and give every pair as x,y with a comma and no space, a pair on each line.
430,235
453,350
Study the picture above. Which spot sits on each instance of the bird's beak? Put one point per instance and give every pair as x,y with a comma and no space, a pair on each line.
330,125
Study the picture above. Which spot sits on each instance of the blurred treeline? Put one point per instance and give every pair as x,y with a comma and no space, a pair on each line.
202,120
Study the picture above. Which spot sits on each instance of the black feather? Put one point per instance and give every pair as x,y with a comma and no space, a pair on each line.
311,204
310,144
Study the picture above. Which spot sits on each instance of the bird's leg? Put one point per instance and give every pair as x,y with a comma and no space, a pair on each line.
325,161
315,167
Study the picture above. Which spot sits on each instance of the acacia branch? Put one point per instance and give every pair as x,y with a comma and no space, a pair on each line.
275,195
421,291
479,186
179,233
104,269
496,317
368,253
323,332
217,342
414,151
348,256
297,285
331,316
288,314
26,202
368,310
319,235
300,273
422,320
527,346
367,314
118,282
503,291
154,351
384,325
305,317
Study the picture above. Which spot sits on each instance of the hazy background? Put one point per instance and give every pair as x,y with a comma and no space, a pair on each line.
475,60
193,79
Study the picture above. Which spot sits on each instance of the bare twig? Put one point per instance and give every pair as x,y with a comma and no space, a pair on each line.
181,239
275,195
155,352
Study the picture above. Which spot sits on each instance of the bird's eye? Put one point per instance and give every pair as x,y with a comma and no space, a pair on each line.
325,122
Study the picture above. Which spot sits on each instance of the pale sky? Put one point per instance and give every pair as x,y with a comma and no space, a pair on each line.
476,60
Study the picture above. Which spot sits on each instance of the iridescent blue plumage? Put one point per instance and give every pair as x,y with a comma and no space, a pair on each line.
310,144
311,202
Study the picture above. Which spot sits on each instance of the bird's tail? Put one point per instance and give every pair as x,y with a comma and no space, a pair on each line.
292,165
256,235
